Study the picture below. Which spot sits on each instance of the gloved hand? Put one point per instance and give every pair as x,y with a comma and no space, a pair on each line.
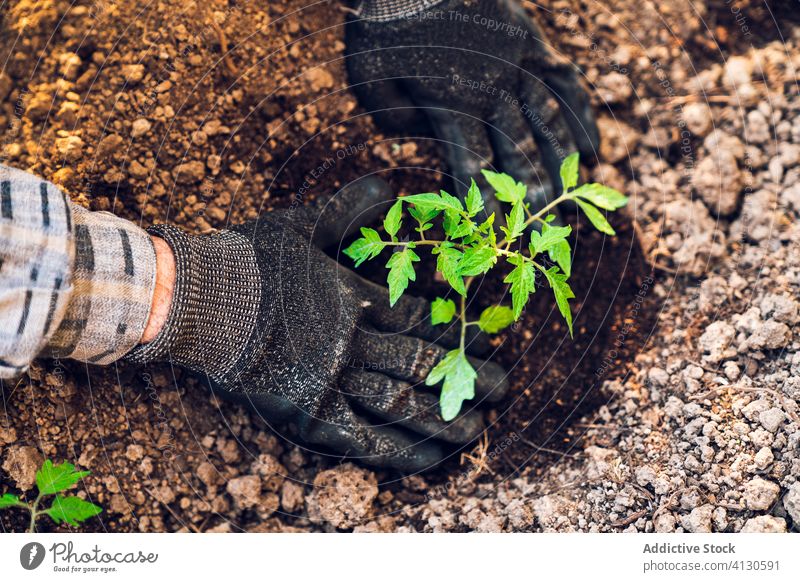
271,321
482,76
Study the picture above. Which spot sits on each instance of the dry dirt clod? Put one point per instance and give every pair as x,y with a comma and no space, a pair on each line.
21,464
342,496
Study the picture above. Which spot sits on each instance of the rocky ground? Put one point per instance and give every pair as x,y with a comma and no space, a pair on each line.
694,422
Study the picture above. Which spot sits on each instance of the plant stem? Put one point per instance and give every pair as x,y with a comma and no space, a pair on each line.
34,514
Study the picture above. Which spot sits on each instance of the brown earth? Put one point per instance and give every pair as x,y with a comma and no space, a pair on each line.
139,110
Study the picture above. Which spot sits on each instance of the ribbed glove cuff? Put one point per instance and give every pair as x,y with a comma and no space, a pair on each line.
215,304
389,10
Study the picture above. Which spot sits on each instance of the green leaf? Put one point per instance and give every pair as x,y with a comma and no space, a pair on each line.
515,221
394,218
441,201
523,283
596,218
563,293
476,261
451,222
495,318
442,310
8,500
569,171
465,228
54,478
562,255
474,199
459,382
602,196
548,238
506,188
421,213
447,264
365,248
401,271
71,510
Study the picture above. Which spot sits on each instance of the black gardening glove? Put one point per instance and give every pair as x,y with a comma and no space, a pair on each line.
482,75
270,320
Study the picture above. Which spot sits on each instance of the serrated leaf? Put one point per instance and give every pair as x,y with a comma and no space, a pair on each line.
450,223
523,283
548,238
474,199
9,500
465,228
476,261
563,293
442,310
515,222
441,201
71,510
393,218
421,213
602,196
506,188
495,318
561,254
569,171
365,248
401,271
459,382
596,218
54,478
447,264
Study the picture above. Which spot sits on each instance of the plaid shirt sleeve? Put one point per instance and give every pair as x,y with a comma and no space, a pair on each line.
73,283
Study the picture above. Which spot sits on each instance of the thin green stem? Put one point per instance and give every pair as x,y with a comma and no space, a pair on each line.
463,317
34,514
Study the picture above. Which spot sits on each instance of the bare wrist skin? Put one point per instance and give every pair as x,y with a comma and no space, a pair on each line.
165,286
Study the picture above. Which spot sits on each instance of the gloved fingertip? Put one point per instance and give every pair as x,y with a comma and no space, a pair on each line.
421,457
492,383
463,429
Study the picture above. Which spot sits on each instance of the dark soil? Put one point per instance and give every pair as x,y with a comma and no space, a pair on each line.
259,123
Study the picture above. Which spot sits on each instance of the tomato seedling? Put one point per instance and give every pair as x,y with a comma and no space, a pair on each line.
472,247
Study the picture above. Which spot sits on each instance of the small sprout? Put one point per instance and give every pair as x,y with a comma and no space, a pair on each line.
471,249
53,480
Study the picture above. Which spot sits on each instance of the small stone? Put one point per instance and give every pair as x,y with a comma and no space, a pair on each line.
140,127
292,496
245,491
21,464
645,475
738,71
208,474
764,524
716,341
271,471
133,73
791,502
760,494
698,118
70,65
614,88
70,148
319,78
665,523
764,458
619,139
108,145
718,181
134,452
772,419
342,496
189,173
658,377
770,335
699,519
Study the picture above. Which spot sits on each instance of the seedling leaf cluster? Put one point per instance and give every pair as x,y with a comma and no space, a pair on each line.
473,245
51,481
